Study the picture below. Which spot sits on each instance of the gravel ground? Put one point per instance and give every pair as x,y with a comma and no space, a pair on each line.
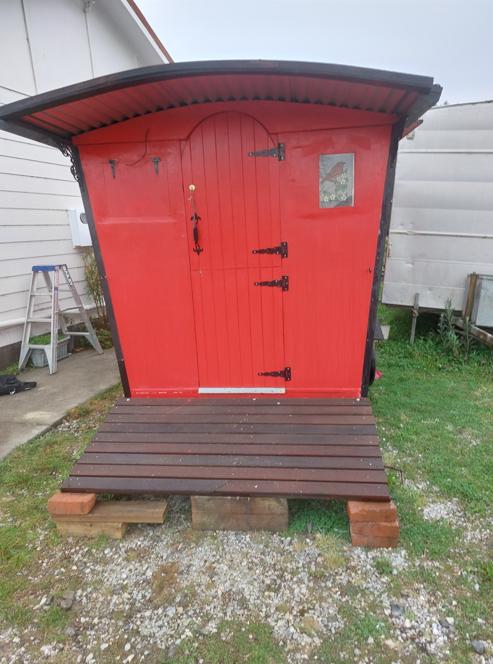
138,599
450,511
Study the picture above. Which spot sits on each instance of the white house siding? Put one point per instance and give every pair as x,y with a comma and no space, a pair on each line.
45,45
36,190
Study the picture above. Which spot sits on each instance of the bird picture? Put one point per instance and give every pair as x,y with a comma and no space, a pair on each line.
336,171
336,180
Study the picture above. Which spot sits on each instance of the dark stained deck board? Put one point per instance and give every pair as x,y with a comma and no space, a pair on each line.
229,473
235,401
251,449
215,487
239,438
251,409
238,419
163,427
313,448
255,461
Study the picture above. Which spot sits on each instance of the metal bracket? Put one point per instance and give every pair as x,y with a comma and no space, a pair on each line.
282,250
282,283
284,373
69,150
279,152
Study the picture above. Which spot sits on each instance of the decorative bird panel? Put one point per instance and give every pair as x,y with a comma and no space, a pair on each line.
336,180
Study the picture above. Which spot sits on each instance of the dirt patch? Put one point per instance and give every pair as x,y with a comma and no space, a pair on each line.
164,583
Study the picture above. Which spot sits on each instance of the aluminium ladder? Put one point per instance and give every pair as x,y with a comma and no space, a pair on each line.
57,318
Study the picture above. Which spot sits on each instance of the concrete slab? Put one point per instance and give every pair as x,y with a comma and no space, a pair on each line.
79,377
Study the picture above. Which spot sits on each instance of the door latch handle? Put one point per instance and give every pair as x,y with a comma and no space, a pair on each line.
195,218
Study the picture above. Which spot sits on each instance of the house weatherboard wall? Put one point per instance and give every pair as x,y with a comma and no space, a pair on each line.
45,45
442,215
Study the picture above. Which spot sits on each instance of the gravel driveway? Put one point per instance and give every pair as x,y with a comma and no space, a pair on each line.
162,587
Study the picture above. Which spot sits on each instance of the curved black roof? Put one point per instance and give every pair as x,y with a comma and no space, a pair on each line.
59,115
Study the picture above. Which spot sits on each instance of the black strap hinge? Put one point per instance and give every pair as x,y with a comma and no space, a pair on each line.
279,152
284,373
282,283
282,250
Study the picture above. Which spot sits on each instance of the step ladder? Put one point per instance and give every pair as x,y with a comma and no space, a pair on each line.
57,318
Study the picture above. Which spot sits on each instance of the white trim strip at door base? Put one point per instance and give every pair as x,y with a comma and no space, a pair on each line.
242,390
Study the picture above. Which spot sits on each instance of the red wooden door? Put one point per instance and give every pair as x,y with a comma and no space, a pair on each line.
239,326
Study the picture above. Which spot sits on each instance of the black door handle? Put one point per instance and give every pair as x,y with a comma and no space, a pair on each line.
195,218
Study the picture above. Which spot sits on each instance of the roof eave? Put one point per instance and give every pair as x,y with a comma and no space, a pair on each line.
423,104
133,77
27,130
148,29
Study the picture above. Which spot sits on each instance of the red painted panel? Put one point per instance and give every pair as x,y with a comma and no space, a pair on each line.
331,258
239,325
180,314
140,222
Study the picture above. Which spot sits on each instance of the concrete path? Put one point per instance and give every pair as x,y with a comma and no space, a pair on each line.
78,378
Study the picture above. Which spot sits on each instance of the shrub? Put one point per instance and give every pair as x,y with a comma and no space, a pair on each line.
95,286
457,344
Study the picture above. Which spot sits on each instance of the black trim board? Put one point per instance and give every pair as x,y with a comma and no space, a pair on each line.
101,269
28,130
133,77
383,232
422,104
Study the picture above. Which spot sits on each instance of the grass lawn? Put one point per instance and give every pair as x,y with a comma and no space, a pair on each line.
435,419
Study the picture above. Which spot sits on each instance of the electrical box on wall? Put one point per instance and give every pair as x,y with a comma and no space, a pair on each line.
79,228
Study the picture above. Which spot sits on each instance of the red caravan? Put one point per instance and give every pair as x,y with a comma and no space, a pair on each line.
238,211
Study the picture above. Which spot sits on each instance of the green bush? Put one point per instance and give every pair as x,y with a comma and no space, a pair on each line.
95,286
457,344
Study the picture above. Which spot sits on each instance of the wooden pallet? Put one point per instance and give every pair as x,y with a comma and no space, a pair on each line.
310,448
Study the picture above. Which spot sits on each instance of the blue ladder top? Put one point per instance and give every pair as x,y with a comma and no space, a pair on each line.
45,268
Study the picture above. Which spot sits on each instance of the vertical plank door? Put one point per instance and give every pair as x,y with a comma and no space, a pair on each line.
239,326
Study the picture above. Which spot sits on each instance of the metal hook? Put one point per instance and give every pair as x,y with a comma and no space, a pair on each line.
195,218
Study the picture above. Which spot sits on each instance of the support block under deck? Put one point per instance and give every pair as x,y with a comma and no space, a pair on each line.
108,518
373,524
239,513
71,503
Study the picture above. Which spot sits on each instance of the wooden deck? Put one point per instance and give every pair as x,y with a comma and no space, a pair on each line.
309,448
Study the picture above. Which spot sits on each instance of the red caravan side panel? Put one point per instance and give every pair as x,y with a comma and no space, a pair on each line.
141,223
139,217
331,258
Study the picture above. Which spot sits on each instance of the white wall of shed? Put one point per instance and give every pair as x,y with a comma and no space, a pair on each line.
44,45
442,214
